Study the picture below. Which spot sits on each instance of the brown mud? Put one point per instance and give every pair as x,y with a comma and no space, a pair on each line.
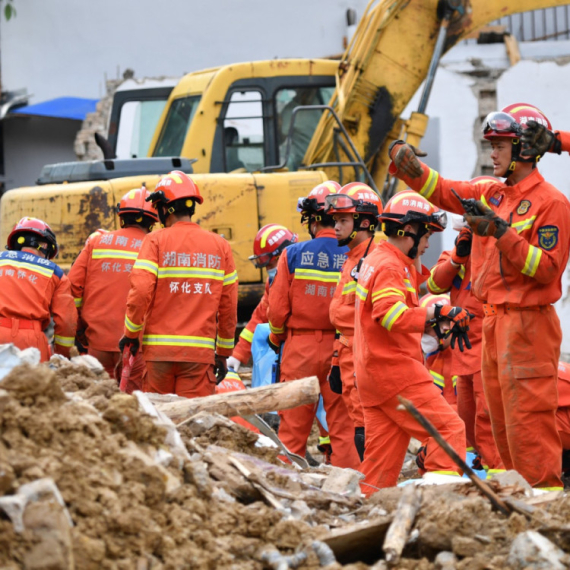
132,511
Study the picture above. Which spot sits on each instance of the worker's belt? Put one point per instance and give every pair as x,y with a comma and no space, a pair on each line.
490,309
17,324
317,333
346,340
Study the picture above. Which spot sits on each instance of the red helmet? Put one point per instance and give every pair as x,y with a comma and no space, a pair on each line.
28,232
408,207
510,121
177,191
315,201
356,198
270,242
430,300
135,202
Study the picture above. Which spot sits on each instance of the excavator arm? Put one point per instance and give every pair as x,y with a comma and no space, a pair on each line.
391,54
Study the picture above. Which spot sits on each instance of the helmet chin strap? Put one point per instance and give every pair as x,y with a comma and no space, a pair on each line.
356,227
422,231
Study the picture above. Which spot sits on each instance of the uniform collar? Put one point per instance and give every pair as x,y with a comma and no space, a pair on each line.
327,232
526,184
359,250
402,256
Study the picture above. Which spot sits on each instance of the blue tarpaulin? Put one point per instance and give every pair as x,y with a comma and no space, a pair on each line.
61,108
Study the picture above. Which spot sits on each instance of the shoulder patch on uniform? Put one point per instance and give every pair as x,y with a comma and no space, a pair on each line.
496,199
524,207
548,237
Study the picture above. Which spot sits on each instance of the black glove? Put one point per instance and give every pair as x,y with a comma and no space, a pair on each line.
403,155
335,381
459,335
274,344
463,244
537,140
220,367
487,223
456,315
133,344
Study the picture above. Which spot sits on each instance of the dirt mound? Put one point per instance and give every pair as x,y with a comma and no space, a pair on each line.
218,501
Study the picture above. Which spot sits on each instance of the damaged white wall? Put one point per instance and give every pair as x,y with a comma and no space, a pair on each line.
453,103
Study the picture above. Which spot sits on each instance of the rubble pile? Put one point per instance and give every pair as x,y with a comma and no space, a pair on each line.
93,478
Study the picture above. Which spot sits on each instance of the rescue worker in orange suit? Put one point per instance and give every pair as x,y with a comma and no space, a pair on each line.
100,282
519,254
355,209
34,289
269,243
184,295
452,273
299,302
563,414
437,356
389,324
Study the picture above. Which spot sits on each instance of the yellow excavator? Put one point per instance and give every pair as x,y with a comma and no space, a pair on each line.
259,135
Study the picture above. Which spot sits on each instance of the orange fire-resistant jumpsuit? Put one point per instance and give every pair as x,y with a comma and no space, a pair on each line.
33,289
299,301
242,350
387,346
466,366
100,284
342,318
439,365
563,412
518,277
184,294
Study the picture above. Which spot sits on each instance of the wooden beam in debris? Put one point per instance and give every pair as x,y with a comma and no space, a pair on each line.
282,396
399,531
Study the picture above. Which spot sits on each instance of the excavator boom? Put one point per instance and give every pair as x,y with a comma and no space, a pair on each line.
386,63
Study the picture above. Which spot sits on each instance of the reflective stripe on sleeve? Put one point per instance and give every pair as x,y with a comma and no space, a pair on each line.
430,184
227,343
315,275
461,272
433,286
67,341
276,330
532,261
178,340
78,301
438,379
393,315
147,265
130,326
246,335
230,278
388,292
484,200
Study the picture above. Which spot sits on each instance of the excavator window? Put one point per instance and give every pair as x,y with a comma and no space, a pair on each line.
180,115
305,124
243,132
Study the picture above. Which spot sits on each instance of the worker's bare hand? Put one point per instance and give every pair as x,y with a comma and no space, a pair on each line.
537,140
404,156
